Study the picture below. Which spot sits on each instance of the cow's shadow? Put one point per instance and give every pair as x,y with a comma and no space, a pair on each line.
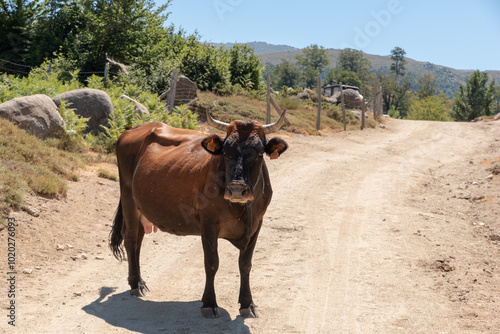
144,316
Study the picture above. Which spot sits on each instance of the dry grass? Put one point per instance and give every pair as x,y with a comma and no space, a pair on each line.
106,174
302,114
28,163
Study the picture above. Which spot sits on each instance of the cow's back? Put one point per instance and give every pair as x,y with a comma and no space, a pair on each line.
166,170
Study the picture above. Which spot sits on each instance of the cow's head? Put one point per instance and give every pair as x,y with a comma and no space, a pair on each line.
243,148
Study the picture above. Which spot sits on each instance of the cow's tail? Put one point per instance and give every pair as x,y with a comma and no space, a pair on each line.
115,236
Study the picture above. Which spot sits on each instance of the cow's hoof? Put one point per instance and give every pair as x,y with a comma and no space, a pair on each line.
210,312
141,290
250,312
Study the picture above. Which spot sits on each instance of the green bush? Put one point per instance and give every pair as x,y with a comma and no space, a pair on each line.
432,108
393,113
287,102
335,112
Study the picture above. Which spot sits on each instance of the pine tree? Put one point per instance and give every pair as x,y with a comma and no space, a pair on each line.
473,99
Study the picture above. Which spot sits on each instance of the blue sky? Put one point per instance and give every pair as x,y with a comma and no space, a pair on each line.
455,33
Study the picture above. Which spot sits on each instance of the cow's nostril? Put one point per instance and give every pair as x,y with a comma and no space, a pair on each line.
244,192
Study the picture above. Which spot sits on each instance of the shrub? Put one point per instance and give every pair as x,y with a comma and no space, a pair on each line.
393,113
287,102
432,108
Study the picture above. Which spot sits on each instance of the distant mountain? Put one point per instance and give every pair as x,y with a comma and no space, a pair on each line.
447,78
260,47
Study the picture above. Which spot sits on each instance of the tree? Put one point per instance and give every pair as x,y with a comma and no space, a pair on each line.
398,66
244,66
89,31
473,99
285,74
313,62
496,97
351,60
330,77
15,19
349,78
426,86
430,108
396,92
205,64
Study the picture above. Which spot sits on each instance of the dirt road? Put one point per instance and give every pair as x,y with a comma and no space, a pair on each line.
377,231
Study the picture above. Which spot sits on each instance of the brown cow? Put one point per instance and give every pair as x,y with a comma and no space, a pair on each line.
189,183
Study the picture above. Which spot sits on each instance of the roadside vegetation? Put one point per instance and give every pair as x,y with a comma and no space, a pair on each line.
30,164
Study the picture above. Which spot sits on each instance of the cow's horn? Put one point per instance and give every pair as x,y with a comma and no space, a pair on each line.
216,124
270,128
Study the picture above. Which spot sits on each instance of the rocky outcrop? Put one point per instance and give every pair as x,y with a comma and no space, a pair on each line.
36,114
91,103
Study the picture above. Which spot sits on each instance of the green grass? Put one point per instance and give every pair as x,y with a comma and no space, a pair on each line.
30,164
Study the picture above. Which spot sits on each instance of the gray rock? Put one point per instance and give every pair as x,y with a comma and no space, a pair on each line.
303,96
352,98
185,91
497,117
494,237
357,114
31,210
88,102
139,108
36,114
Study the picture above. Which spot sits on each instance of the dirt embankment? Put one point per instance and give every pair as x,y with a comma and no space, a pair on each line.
378,231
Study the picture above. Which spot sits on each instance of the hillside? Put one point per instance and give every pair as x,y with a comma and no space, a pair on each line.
448,79
261,47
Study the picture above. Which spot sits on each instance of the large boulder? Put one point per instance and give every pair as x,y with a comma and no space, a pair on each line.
36,114
352,98
87,102
139,108
184,93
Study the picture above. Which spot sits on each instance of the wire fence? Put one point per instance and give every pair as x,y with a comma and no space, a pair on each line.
9,67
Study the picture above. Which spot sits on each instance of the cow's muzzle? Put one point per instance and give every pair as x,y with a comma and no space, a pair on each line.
238,193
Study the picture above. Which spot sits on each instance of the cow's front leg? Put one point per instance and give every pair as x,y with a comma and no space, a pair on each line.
248,308
209,240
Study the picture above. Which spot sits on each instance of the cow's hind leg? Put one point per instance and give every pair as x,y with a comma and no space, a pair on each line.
133,233
248,308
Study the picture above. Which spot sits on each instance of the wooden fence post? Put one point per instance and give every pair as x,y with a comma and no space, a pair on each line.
343,105
268,111
363,111
380,101
173,91
318,119
278,110
106,70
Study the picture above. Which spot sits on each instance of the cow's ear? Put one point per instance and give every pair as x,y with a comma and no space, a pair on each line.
213,144
275,147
